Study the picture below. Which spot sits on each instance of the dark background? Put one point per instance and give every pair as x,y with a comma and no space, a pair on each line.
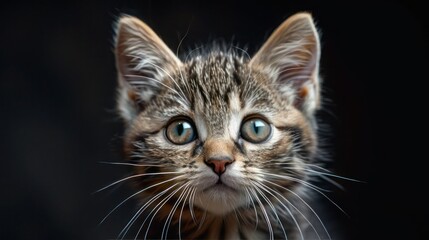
57,86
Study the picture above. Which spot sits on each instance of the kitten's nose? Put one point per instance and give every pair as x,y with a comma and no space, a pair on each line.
218,164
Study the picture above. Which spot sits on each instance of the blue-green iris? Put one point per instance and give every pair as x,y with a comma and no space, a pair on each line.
255,130
180,132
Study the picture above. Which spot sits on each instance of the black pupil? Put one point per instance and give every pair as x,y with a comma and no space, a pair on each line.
256,128
180,129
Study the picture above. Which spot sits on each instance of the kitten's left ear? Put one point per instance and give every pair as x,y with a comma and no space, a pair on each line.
144,62
291,58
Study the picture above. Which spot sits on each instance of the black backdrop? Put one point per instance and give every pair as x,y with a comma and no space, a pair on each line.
57,80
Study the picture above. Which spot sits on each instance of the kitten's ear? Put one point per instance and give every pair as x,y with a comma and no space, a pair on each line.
143,62
291,58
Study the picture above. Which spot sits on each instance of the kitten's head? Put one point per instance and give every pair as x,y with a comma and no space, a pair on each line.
217,126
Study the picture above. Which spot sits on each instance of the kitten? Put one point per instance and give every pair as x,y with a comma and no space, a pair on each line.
223,145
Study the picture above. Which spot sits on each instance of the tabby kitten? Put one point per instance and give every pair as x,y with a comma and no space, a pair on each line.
222,145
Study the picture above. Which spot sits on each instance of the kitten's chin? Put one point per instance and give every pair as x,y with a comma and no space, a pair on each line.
220,199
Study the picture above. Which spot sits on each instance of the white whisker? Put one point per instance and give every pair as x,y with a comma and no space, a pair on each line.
272,208
254,208
158,208
335,176
127,227
305,203
131,164
264,211
135,194
135,176
311,186
172,211
203,218
331,181
188,195
271,191
191,205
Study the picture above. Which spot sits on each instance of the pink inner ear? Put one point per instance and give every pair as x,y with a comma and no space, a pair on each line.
301,95
299,78
303,92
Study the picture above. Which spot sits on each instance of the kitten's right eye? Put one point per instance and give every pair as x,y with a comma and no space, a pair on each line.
180,132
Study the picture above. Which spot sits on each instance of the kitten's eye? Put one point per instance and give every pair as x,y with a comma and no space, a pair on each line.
180,132
255,130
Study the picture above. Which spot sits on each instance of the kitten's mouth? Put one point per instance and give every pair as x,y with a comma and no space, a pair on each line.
221,190
220,198
219,185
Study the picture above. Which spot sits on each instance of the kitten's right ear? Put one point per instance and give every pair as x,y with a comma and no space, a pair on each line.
290,57
143,62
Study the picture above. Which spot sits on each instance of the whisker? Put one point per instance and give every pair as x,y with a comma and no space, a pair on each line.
335,176
135,194
191,205
172,211
272,207
311,186
305,203
319,167
267,219
188,195
331,181
203,218
254,207
324,175
317,172
131,164
271,191
134,176
127,227
158,208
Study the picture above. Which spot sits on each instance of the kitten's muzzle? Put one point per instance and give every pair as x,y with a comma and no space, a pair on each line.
218,164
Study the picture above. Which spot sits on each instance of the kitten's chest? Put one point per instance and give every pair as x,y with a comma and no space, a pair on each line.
227,229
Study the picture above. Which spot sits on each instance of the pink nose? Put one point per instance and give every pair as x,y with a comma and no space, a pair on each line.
219,164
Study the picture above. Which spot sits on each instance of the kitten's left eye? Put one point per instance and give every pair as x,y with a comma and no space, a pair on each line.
180,132
255,130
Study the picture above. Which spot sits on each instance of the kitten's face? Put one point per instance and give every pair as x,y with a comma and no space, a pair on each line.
220,128
221,110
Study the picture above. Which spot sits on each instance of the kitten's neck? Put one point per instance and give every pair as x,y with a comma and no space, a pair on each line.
211,226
